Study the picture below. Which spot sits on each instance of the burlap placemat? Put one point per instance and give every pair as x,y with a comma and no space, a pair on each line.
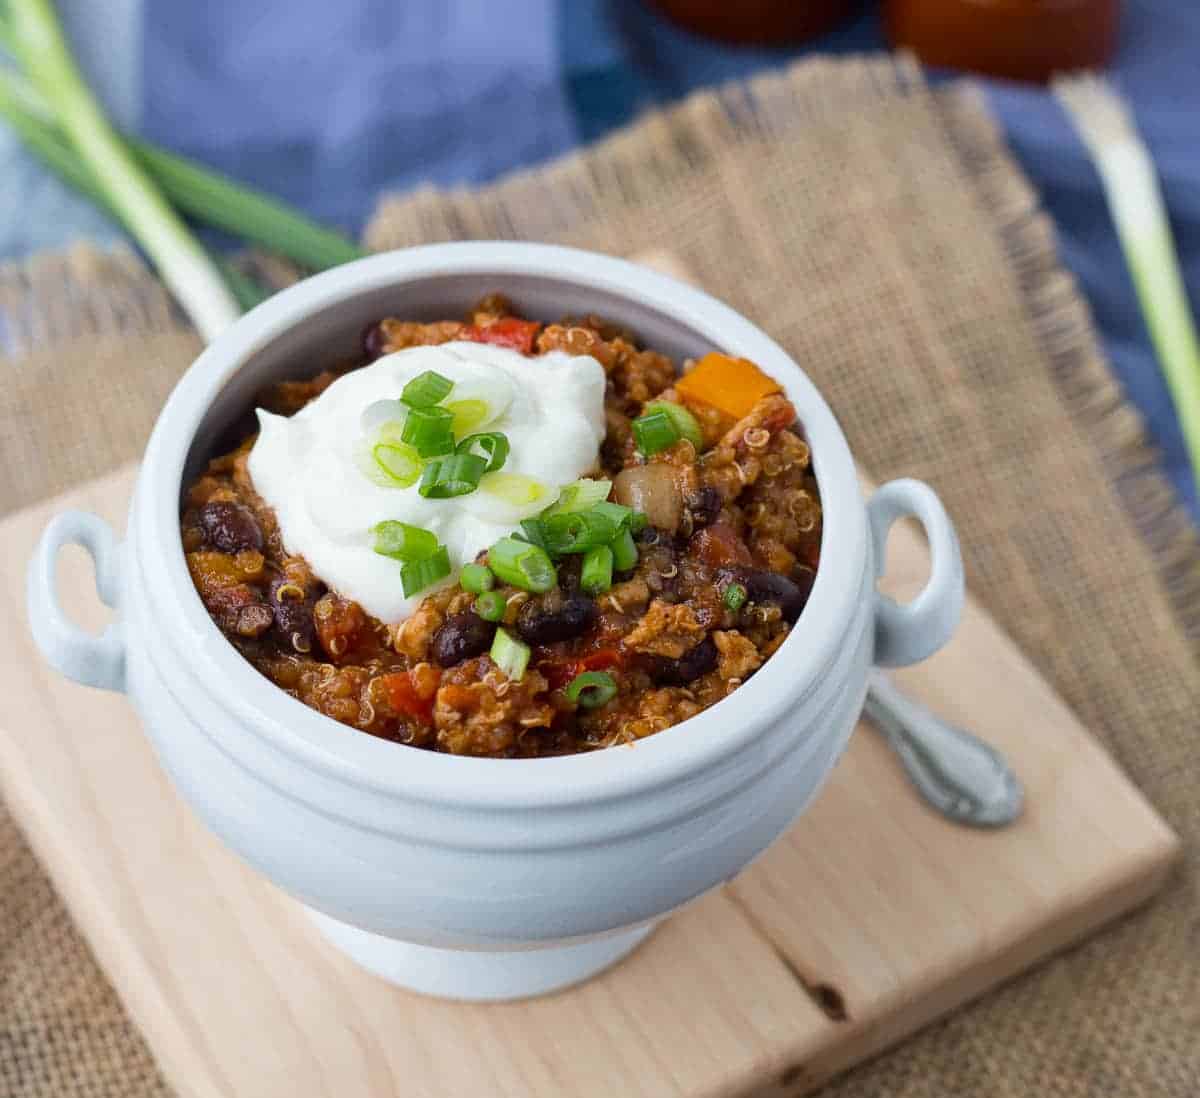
882,233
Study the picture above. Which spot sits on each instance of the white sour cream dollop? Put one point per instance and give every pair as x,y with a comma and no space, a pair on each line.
307,467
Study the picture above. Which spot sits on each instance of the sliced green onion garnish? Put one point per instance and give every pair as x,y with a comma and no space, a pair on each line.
523,565
490,606
400,462
426,389
596,575
402,541
514,488
620,515
655,433
624,551
491,445
416,575
576,532
733,596
580,495
452,475
591,689
531,531
638,522
510,654
476,578
685,422
428,429
468,414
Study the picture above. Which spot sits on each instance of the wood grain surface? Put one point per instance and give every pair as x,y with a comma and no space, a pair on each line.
870,918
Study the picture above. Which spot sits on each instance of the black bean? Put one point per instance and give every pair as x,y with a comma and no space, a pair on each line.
570,572
704,504
555,617
374,339
697,661
766,586
292,607
462,637
230,527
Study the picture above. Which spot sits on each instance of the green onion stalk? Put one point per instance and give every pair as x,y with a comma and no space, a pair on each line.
50,144
197,191
1136,203
182,263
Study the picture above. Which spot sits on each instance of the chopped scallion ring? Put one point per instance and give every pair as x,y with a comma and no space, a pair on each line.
591,689
469,414
402,541
426,389
400,463
597,572
620,515
576,531
476,578
452,475
624,551
416,575
685,423
510,655
522,565
531,531
734,596
580,495
491,445
655,432
429,431
490,606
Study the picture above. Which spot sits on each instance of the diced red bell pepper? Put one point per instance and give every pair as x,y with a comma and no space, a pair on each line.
559,673
600,660
508,331
719,545
404,697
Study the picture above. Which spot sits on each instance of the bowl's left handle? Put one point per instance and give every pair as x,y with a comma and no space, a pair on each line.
88,659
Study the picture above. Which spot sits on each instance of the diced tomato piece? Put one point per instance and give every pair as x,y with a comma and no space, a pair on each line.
600,660
719,545
404,696
508,331
559,673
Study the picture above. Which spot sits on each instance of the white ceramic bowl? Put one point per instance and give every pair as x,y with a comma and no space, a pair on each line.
484,878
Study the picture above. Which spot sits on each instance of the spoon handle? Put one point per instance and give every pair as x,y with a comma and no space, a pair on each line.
965,779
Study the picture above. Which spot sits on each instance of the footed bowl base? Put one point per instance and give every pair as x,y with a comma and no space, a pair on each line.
476,975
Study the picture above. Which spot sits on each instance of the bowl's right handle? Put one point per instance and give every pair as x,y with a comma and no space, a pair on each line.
909,633
88,659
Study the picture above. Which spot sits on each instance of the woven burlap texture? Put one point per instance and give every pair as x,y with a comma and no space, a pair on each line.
881,232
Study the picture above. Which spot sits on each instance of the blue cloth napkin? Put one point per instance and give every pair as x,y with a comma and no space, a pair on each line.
327,105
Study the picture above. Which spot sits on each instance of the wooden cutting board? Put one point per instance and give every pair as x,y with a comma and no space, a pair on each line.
872,917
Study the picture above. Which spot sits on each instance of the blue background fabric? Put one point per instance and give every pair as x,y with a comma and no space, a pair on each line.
328,105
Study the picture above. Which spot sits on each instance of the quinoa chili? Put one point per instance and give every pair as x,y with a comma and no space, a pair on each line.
629,639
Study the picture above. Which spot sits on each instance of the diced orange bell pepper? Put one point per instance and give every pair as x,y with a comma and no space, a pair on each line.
734,385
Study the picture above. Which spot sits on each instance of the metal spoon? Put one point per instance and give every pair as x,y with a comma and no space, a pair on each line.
965,779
